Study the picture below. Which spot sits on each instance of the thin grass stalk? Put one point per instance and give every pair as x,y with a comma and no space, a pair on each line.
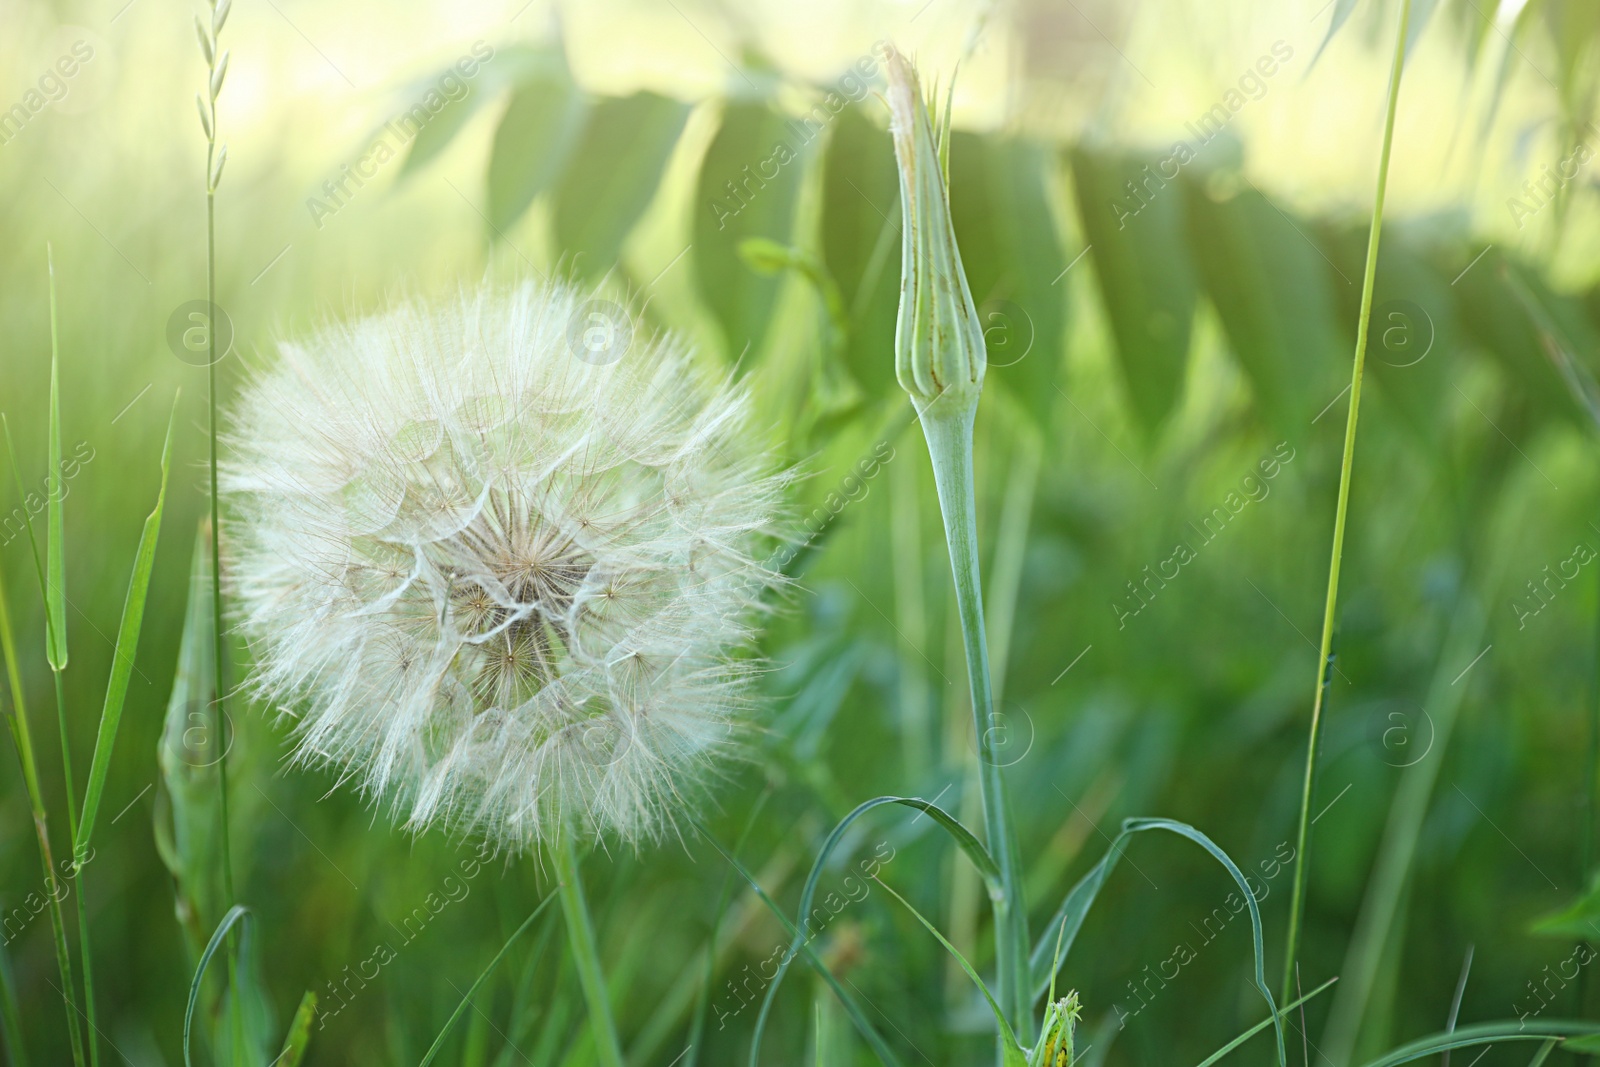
216,68
1591,772
23,741
1341,515
585,952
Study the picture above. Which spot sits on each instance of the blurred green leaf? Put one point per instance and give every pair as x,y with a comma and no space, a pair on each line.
748,185
1272,287
1000,196
1579,919
542,122
508,65
612,174
1498,322
860,243
1341,15
1140,255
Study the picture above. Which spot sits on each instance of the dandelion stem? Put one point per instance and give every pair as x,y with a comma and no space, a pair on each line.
585,953
1341,513
948,428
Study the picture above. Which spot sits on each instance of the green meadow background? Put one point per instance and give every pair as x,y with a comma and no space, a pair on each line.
1162,208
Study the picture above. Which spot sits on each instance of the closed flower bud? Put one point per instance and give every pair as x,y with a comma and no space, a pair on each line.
939,354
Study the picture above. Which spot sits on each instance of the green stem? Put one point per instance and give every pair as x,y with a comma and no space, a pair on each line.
219,714
1341,514
949,433
585,954
22,739
77,878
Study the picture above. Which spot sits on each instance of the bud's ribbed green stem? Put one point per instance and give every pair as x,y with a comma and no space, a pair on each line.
940,362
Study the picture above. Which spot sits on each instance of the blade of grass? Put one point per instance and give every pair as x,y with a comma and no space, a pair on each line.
1455,1002
22,740
236,914
299,1035
1341,514
438,1042
970,845
1263,1024
55,539
1484,1034
879,1048
1014,1056
127,647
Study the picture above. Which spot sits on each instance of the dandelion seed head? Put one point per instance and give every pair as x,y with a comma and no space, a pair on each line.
505,587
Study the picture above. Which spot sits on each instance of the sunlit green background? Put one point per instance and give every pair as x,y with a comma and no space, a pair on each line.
1144,366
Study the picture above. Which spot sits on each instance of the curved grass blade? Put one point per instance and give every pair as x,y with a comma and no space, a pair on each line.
857,1016
235,914
1076,906
438,1042
1484,1034
299,1036
1014,1056
127,648
1263,1024
987,868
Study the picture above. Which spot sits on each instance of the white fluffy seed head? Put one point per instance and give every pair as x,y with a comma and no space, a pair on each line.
503,585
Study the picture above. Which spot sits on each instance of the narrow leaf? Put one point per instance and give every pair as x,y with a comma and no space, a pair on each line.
299,1036
1071,914
1008,1038
857,1016
55,540
235,914
1485,1034
127,648
1341,13
1263,1024
987,868
438,1042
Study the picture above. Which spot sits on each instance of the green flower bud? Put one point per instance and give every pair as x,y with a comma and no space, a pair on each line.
939,354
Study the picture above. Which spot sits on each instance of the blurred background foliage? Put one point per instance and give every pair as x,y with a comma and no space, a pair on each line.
1169,331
